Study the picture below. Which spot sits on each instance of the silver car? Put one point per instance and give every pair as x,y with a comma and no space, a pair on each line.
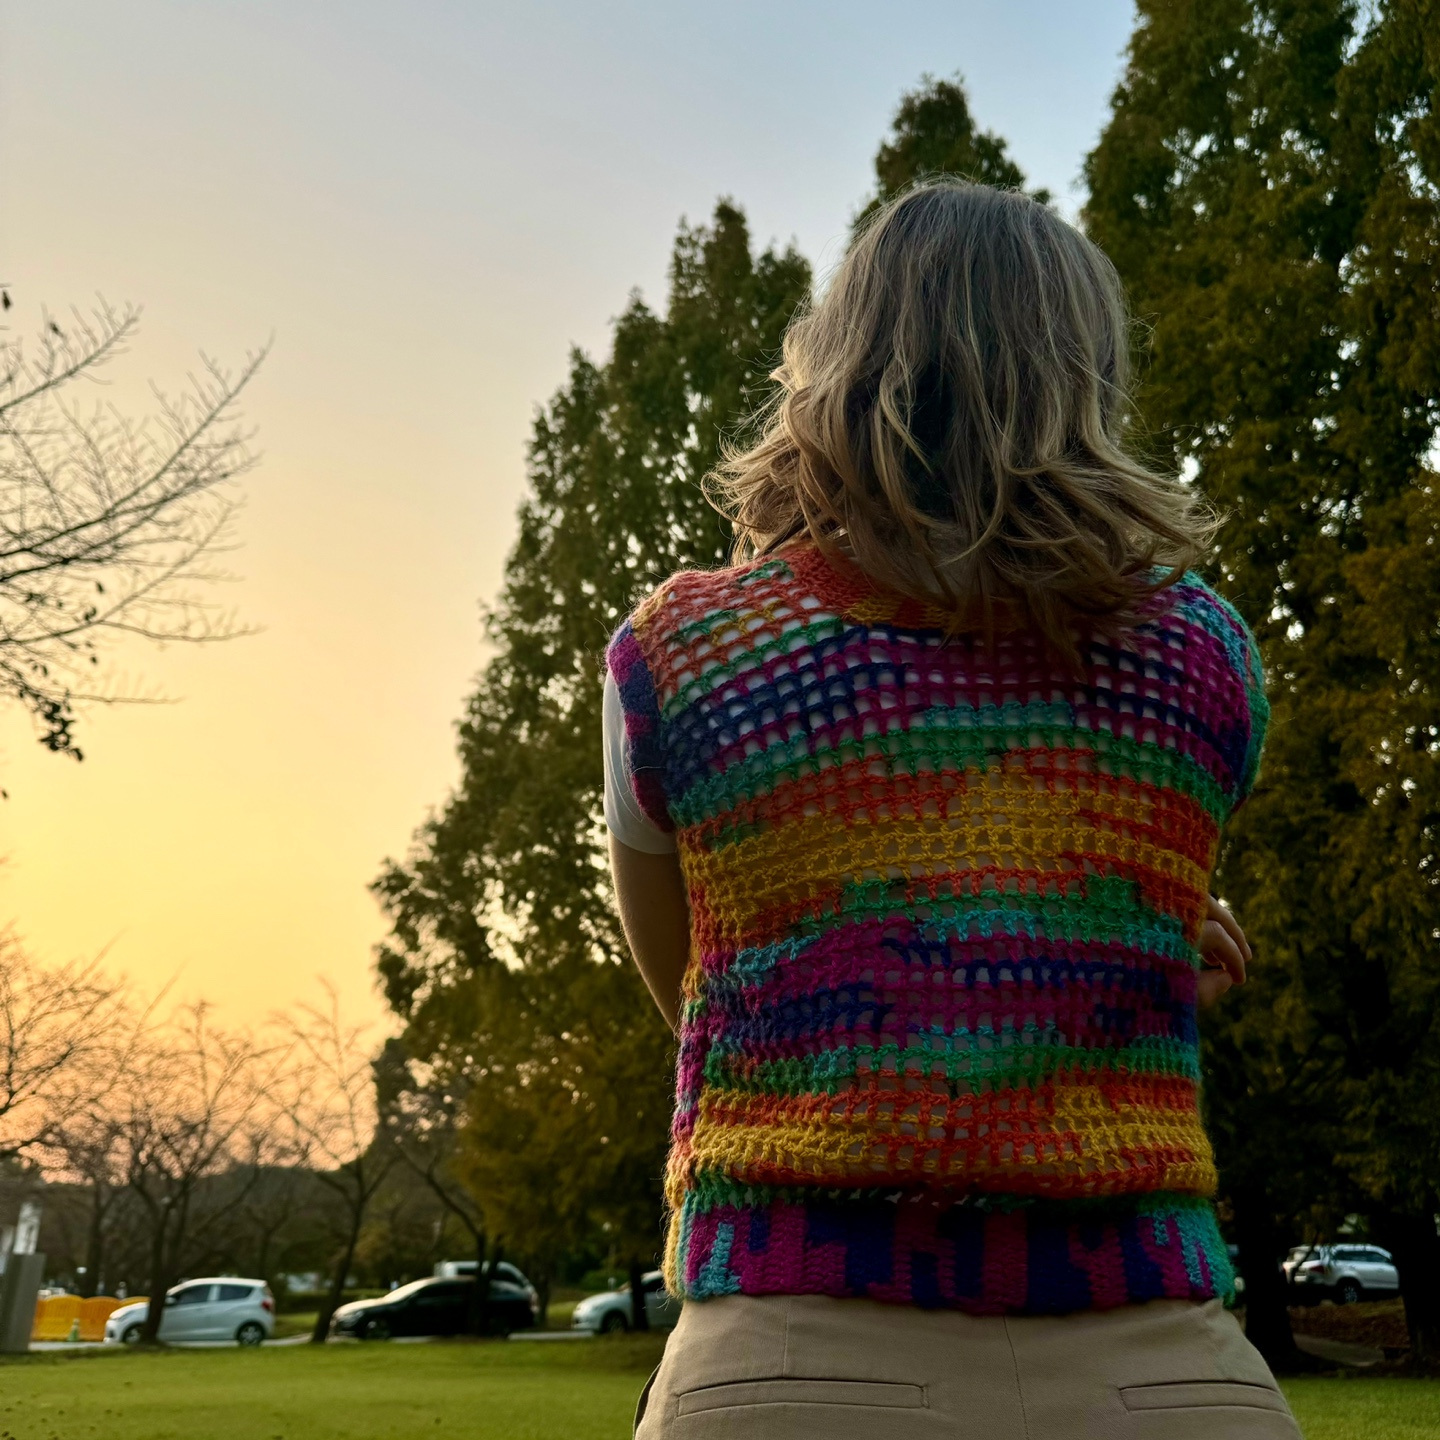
1343,1273
224,1307
613,1311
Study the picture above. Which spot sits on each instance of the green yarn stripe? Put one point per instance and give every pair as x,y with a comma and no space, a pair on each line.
977,747
716,675
708,1188
979,1069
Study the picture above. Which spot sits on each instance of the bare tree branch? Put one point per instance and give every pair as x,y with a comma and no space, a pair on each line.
187,1108
107,524
323,1093
65,1034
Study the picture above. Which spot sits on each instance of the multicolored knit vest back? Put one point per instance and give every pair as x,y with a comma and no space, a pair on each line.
938,1042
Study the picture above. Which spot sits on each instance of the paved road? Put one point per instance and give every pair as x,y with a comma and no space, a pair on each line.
38,1346
1340,1352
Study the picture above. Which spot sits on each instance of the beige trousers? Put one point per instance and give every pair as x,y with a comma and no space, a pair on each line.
808,1367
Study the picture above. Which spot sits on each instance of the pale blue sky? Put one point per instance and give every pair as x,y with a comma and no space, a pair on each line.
425,203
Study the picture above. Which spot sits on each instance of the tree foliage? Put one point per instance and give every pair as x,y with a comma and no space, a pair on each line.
505,959
933,133
1269,186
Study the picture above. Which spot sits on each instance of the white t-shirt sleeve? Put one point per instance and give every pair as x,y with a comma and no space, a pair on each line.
623,815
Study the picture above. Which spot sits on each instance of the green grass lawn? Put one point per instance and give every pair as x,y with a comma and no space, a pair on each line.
532,1390
535,1390
563,1301
1354,1408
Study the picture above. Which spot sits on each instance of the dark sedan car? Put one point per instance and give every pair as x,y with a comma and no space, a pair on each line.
436,1307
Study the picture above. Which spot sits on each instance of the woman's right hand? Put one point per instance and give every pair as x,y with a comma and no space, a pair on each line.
1224,951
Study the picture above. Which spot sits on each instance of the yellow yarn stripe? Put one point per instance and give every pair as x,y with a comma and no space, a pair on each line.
791,861
828,1151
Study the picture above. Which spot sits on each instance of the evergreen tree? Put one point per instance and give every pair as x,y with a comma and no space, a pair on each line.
505,957
933,133
1269,186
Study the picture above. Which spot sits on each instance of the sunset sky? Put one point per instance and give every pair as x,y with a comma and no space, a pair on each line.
424,204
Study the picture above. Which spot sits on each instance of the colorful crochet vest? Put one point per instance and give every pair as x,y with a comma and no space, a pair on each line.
938,1042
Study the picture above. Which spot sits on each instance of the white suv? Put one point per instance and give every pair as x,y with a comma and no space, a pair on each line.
222,1308
1343,1273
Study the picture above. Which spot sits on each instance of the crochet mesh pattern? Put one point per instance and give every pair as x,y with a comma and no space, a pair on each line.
938,1040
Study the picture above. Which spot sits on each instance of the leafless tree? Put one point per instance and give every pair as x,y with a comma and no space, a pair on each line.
65,1032
324,1095
107,524
250,1210
190,1105
88,1149
270,1198
424,1116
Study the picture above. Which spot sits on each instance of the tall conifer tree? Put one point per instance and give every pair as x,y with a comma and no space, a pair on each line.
1269,186
934,133
505,958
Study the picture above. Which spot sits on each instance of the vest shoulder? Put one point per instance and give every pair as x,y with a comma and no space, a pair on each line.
1195,601
690,597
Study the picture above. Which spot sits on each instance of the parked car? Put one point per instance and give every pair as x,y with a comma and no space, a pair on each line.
439,1306
1343,1273
449,1269
613,1311
223,1307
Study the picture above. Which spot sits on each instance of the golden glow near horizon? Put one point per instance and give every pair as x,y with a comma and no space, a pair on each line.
425,205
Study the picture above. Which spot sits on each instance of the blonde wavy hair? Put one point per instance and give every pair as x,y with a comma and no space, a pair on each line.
952,416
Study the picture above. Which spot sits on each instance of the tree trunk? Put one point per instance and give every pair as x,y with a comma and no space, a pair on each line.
262,1258
94,1249
321,1333
483,1282
159,1283
542,1289
639,1320
1267,1312
1412,1240
479,1296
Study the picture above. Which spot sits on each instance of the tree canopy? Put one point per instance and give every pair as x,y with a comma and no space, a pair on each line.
506,959
1269,187
934,133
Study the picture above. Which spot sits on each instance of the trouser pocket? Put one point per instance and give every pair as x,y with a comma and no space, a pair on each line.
1214,1409
739,1394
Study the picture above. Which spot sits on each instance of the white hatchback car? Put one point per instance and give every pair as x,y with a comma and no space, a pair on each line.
222,1308
611,1312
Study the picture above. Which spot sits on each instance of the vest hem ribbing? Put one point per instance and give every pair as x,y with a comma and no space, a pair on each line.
1046,1259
